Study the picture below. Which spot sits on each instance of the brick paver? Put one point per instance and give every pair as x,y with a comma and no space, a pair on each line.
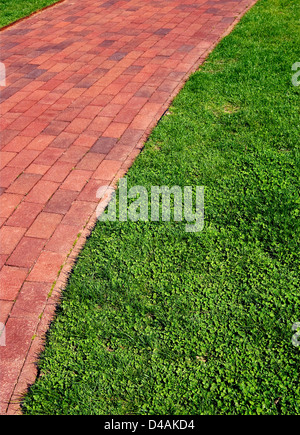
86,82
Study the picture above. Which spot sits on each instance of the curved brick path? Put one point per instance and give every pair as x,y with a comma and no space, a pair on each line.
86,82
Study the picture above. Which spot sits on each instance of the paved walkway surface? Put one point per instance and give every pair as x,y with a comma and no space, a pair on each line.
86,82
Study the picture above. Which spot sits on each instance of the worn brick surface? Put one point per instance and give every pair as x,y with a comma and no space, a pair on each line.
86,82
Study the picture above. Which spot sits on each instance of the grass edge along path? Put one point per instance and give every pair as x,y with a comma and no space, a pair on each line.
156,320
12,11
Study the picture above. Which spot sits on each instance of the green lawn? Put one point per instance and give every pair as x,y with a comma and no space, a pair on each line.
156,320
13,10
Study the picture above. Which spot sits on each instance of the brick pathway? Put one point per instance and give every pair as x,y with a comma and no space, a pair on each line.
86,82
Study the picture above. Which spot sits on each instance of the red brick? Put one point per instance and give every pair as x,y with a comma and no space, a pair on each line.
26,253
61,104
37,169
49,156
145,91
113,89
23,184
8,202
47,267
74,93
59,66
6,106
8,175
131,137
79,213
136,103
122,80
115,129
90,112
102,100
90,190
36,110
100,123
5,310
3,258
111,110
23,106
24,159
150,110
90,161
119,152
55,128
142,77
37,95
76,180
31,300
17,144
19,335
63,239
126,115
141,122
73,154
81,102
9,238
93,91
64,140
58,172
86,140
61,201
11,279
51,84
35,128
122,98
46,118
68,114
9,118
44,225
41,142
6,136
5,158
21,123
78,125
159,97
107,170
24,215
18,96
42,191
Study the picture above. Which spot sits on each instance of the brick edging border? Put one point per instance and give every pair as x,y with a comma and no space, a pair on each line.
19,20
